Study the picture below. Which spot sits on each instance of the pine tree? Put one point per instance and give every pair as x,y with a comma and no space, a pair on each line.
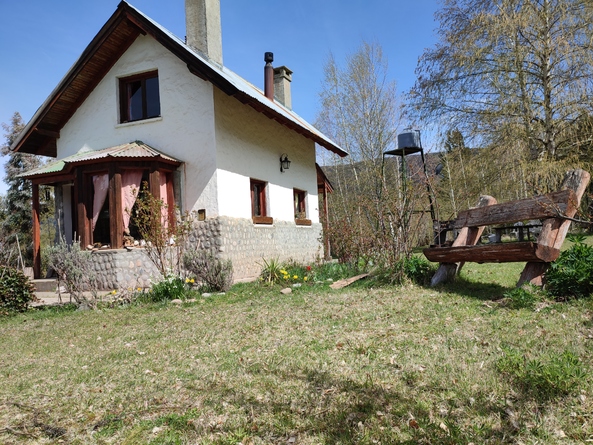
16,220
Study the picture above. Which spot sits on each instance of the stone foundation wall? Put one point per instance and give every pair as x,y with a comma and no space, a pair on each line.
244,243
247,244
123,269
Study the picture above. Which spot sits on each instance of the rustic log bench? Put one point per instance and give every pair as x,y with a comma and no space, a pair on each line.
555,209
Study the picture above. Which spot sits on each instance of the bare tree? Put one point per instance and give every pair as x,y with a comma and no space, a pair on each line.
509,70
371,215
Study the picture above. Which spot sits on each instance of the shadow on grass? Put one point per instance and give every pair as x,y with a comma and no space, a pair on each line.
472,289
341,410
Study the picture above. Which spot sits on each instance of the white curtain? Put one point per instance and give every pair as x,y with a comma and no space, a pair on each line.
101,184
130,186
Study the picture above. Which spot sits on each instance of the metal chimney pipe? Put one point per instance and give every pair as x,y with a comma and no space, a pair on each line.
269,76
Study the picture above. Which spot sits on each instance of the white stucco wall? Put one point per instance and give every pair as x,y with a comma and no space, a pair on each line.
184,131
249,145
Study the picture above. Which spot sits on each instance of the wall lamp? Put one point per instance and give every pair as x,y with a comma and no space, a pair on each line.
284,162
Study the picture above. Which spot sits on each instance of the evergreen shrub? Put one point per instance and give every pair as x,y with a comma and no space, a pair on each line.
16,291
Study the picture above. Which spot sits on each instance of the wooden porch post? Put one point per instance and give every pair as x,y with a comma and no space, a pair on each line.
328,253
116,219
154,183
36,233
81,198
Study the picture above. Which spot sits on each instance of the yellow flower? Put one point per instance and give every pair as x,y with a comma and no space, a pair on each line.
283,272
187,280
286,277
305,278
295,277
139,289
113,292
192,281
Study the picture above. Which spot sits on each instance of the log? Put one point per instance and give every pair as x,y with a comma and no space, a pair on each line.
494,253
554,230
467,237
547,206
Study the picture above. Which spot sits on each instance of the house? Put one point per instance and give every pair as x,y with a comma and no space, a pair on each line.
140,105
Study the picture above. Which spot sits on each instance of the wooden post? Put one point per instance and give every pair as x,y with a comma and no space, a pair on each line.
116,221
83,224
154,183
554,230
468,236
36,233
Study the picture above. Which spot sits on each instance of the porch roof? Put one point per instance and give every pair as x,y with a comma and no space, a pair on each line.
131,150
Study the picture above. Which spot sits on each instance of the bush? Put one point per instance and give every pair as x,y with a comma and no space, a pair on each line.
417,269
16,291
571,275
170,288
213,273
75,269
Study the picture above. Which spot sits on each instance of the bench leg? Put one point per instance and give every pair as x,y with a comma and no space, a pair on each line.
533,273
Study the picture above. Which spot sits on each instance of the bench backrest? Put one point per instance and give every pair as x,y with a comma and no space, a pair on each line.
551,205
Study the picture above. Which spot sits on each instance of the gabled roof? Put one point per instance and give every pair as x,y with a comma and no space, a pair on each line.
112,41
132,150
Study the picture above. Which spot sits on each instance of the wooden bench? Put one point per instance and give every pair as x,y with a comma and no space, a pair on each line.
554,209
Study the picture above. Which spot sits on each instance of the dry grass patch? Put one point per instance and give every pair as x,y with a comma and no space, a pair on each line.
388,365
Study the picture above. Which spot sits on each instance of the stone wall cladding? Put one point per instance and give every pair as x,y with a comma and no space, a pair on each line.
124,269
247,244
244,243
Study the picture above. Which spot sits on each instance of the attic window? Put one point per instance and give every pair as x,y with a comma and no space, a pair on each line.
139,97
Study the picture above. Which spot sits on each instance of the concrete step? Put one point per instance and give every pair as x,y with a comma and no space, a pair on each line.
45,284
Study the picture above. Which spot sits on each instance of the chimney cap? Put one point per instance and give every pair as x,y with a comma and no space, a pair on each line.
268,57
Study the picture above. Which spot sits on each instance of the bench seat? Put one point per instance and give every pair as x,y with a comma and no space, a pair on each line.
493,253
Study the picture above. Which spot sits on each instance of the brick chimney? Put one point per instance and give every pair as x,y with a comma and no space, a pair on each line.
202,26
282,79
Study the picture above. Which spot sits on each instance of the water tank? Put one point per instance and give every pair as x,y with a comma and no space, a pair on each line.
409,140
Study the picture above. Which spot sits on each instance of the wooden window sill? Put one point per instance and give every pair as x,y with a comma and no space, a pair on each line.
302,222
263,220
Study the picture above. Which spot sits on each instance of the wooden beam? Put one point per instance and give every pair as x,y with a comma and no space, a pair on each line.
551,205
154,183
48,133
494,253
36,233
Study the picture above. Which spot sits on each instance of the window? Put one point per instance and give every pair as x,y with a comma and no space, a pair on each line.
139,97
300,208
258,203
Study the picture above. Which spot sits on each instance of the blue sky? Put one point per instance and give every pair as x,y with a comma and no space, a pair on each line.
41,39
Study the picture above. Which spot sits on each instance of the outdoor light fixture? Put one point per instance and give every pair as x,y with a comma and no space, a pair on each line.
284,162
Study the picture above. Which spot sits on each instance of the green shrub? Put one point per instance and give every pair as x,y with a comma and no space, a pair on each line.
417,269
544,377
16,291
169,288
271,271
571,275
211,272
521,298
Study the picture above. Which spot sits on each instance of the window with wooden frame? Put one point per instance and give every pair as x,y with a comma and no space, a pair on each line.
139,97
300,208
259,211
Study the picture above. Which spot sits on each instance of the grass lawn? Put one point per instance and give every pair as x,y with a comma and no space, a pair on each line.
407,365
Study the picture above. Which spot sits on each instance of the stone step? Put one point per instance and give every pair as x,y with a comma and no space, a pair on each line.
45,284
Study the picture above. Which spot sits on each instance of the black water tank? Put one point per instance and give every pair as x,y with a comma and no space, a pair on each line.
409,139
